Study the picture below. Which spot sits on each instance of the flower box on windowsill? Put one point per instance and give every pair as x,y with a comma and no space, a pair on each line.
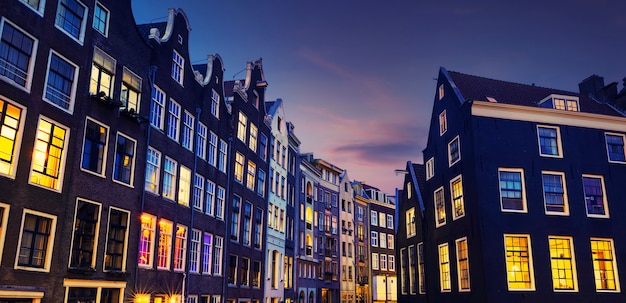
82,270
133,115
102,97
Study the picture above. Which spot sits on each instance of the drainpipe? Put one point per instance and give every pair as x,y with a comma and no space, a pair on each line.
193,211
228,199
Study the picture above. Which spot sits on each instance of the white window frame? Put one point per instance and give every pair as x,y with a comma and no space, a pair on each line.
458,264
152,245
615,267
456,216
173,178
411,228
450,160
4,220
604,197
440,91
373,218
559,145
181,250
443,200
157,108
132,164
184,185
92,264
523,184
444,259
430,168
49,248
573,263
374,238
72,95
62,160
606,143
106,22
443,123
375,261
178,67
210,197
198,193
157,172
125,251
530,263
173,120
38,10
187,130
201,140
31,61
169,248
83,24
565,198
17,141
215,103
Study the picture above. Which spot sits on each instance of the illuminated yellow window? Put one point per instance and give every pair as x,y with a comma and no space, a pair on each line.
444,267
440,208
48,155
10,122
146,240
462,262
456,188
184,186
604,268
165,244
519,262
562,264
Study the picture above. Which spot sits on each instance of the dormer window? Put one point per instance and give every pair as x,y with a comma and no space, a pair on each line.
561,102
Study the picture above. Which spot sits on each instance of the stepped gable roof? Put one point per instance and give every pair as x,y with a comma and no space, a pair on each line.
144,29
479,88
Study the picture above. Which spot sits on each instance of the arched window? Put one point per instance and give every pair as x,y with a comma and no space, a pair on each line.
311,297
301,297
309,245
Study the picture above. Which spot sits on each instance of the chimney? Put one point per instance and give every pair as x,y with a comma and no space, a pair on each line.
592,87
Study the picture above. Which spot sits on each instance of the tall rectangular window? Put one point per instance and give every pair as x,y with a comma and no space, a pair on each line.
462,264
101,19
253,137
404,268
130,95
169,178
201,140
61,82
411,228
562,264
261,183
173,120
164,251
554,193
375,261
187,137
374,239
614,147
430,168
117,240
215,104
36,240
247,223
212,153
454,151
71,17
440,208
456,191
49,154
146,240
210,198
221,164
251,174
124,164
219,202
184,186
85,234
231,276
263,147
383,262
207,260
242,127
595,199
178,69
102,72
549,141
153,170
180,248
443,123
519,265
17,55
234,219
256,274
239,161
374,218
512,190
245,272
198,192
421,270
444,267
11,126
94,147
217,255
258,228
604,267
157,108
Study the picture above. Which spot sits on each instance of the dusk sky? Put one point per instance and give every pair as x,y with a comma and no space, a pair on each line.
357,77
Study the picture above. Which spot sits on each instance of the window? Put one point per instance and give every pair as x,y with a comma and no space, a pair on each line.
444,268
566,104
241,127
102,71
117,240
201,137
60,82
392,262
94,147
250,178
157,107
562,264
207,261
456,191
101,19
421,270
383,240
519,265
180,248
615,148
12,125
247,223
146,240
219,202
383,262
184,185
210,198
85,234
430,168
512,192
36,5
411,228
454,151
375,261
245,271
36,241
261,183
215,104
595,199
440,208
71,18
17,55
441,91
221,164
49,154
374,239
178,64
187,136
153,170
198,192
549,141
256,274
443,123
263,147
374,218
462,263
253,137
212,158
169,178
78,291
173,120
239,161
604,267
234,221
389,221
390,242
258,228
165,244
124,160
232,270
554,193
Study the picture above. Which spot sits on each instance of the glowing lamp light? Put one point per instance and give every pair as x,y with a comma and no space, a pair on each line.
142,298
